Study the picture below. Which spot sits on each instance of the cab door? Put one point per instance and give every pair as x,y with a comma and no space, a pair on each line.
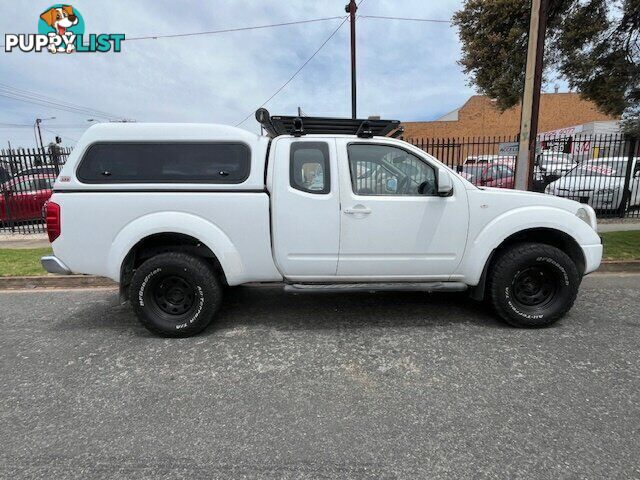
305,202
394,226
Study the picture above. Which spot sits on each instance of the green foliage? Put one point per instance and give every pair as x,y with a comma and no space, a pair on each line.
594,44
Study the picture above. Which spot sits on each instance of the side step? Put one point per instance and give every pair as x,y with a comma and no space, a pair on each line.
375,287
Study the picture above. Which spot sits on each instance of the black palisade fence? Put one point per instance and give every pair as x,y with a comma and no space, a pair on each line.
26,181
601,170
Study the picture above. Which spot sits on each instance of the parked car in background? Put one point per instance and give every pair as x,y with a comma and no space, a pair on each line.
550,166
599,183
39,170
482,175
23,198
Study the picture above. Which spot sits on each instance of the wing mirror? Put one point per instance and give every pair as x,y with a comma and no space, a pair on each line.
445,183
459,168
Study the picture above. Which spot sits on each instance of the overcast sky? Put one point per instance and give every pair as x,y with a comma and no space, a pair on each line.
406,70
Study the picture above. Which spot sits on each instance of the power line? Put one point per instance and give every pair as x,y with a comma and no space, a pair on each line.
59,135
297,71
51,105
14,93
301,67
258,27
380,17
228,30
30,93
19,126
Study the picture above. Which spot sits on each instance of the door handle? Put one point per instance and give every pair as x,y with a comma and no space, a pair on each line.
355,211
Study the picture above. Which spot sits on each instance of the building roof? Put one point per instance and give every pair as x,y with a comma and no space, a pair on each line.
479,116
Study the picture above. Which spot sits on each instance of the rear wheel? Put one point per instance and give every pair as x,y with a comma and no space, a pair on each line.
175,294
533,284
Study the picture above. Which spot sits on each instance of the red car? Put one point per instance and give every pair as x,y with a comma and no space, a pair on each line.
22,198
483,175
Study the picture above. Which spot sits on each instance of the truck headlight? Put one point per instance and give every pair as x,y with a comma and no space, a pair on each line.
587,215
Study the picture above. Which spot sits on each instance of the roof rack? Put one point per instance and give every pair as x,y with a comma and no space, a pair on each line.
298,126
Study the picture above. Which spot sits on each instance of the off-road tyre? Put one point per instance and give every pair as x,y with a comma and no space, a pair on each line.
532,285
175,294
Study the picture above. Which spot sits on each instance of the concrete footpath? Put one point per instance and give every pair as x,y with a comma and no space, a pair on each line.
18,241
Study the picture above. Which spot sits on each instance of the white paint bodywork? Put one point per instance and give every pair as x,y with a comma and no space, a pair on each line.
267,231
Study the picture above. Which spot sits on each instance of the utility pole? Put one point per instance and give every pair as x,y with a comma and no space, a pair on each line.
531,96
351,10
38,122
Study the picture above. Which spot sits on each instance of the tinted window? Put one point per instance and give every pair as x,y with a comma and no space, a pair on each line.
309,167
386,170
165,163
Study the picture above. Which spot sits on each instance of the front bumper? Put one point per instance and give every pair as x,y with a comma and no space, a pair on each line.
592,257
53,264
595,200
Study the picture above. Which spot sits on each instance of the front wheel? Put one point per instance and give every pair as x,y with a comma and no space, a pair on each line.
175,294
533,284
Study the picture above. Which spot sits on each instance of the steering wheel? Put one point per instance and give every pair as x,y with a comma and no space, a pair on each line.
403,185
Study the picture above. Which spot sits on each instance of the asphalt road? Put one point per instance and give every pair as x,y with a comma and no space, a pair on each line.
394,385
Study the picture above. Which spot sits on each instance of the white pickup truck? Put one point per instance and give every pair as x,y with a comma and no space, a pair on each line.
177,212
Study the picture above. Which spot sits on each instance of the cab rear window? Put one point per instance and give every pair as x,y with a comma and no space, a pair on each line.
165,163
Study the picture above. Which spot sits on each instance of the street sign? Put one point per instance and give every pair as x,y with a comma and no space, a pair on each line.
508,148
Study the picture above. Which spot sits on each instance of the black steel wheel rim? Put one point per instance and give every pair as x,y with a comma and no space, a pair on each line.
535,286
172,296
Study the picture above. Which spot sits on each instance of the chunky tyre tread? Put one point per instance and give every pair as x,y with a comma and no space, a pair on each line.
501,276
197,268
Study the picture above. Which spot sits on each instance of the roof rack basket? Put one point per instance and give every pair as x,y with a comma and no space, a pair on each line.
298,126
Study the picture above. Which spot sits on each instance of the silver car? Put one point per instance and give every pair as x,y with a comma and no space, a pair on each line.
599,183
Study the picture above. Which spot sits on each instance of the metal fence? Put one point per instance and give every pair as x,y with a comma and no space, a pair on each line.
600,170
597,169
26,179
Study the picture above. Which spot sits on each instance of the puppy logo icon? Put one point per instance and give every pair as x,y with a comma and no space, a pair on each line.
61,30
56,22
60,18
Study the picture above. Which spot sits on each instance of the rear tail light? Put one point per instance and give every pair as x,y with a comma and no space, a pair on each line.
52,215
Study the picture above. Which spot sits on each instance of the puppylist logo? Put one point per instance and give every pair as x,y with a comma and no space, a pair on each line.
61,30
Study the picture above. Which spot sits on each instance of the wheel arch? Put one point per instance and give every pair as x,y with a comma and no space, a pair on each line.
545,235
177,231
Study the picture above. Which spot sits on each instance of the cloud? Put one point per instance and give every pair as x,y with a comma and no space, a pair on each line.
406,70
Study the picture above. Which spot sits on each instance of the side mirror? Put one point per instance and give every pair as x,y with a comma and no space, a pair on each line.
459,168
445,183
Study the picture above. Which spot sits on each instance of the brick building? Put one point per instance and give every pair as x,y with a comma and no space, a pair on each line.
480,117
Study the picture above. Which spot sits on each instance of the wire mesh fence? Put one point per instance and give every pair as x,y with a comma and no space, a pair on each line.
26,179
601,170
